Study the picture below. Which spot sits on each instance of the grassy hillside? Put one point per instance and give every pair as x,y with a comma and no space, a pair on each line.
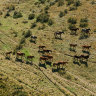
42,18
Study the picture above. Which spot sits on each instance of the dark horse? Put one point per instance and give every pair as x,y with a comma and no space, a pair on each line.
86,31
74,30
58,35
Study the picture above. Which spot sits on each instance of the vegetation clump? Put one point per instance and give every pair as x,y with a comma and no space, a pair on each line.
83,22
72,20
17,15
31,16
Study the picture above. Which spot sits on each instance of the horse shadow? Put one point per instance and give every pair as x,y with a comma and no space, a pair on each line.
19,60
72,49
32,41
49,63
87,52
43,65
77,62
8,58
55,70
84,62
30,63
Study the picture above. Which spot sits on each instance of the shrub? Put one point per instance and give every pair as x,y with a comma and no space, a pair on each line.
1,13
61,14
52,3
43,18
50,22
31,16
65,11
72,8
84,24
60,3
71,26
72,20
46,8
11,7
33,25
77,3
42,1
84,20
69,2
27,34
17,14
42,27
22,41
6,15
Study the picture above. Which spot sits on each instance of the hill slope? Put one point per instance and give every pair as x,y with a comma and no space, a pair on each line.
32,80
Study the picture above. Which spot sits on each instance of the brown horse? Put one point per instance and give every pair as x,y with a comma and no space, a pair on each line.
30,58
8,54
41,48
19,54
74,30
47,51
58,35
73,47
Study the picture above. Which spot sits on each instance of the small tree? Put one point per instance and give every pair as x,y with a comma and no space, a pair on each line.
17,14
27,34
31,16
61,14
50,22
72,20
33,25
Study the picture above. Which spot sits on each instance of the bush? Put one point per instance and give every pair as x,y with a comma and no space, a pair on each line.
31,16
22,41
61,14
84,20
41,27
60,3
6,15
69,2
77,3
11,7
46,8
27,34
83,25
50,22
43,18
33,25
72,20
72,8
72,26
42,1
65,11
17,14
1,13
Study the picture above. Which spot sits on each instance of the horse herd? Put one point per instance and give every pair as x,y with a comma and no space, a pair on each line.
85,32
46,54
